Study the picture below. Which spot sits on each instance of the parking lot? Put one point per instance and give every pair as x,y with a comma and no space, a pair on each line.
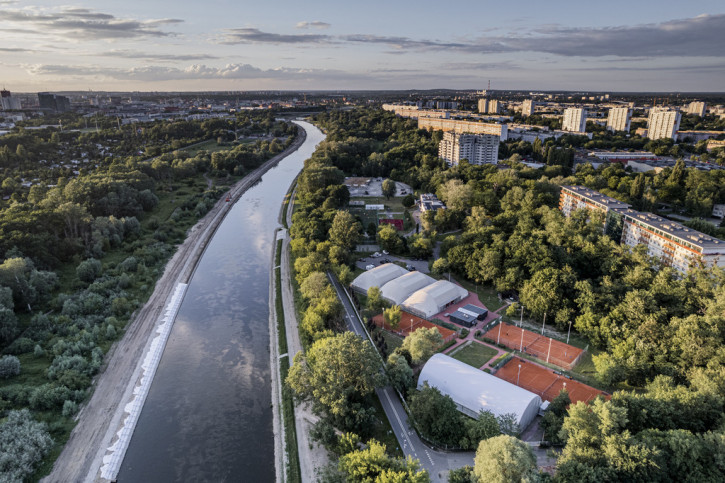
374,187
420,265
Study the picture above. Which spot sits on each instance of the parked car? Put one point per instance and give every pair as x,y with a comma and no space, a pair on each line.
376,255
385,252
369,267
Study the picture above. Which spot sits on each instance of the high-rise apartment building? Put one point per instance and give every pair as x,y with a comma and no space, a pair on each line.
7,101
697,108
476,148
663,123
575,119
488,106
674,244
528,108
53,102
458,126
619,119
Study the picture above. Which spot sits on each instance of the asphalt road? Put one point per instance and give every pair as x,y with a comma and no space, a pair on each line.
438,463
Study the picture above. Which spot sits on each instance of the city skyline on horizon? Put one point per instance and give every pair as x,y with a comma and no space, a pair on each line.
230,46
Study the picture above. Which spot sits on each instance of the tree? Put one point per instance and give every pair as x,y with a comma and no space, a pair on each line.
9,366
422,344
505,459
388,188
335,371
483,427
373,464
436,416
408,201
345,231
389,239
462,475
392,316
399,372
89,270
24,442
314,285
441,266
456,195
554,417
375,299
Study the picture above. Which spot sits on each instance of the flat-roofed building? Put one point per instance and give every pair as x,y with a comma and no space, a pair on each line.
476,148
663,123
697,108
575,119
469,127
619,119
528,107
488,106
573,198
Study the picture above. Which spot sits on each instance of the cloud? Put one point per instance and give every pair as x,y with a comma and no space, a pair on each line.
316,24
256,36
479,65
15,49
192,72
75,22
135,54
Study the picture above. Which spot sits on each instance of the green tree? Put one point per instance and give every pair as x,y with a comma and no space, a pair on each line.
345,231
388,188
389,239
483,427
505,459
392,316
336,371
436,416
408,201
314,285
399,372
422,344
375,299
373,464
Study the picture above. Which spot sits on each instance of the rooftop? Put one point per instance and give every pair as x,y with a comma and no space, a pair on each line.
596,197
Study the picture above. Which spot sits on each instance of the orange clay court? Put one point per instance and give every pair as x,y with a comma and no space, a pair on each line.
544,382
561,354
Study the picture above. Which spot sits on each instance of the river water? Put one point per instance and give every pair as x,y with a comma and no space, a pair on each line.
208,414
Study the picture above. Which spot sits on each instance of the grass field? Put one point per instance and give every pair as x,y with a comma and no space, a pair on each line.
392,340
487,295
475,354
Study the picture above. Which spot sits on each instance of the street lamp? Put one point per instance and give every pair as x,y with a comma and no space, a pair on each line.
519,376
544,324
568,333
521,322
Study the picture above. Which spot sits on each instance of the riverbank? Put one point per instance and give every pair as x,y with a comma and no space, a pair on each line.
100,418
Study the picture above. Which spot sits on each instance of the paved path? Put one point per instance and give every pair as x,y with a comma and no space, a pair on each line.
438,463
100,418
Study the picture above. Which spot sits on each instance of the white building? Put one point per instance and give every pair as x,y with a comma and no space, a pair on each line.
697,108
663,123
8,102
575,119
528,108
476,148
377,277
488,106
433,298
455,125
619,119
399,289
474,391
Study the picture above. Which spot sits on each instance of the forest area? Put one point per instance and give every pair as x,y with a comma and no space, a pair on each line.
658,334
87,223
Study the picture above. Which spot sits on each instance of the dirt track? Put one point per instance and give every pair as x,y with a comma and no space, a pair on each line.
100,418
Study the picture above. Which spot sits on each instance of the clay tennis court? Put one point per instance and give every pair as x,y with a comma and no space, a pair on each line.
545,382
543,348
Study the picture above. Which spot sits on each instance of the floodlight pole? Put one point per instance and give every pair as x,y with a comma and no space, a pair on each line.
568,333
498,339
521,322
521,348
549,353
543,325
519,375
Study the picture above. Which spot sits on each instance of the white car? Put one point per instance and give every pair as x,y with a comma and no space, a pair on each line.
385,252
369,267
376,255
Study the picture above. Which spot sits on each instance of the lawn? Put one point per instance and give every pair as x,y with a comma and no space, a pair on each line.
393,341
475,354
487,295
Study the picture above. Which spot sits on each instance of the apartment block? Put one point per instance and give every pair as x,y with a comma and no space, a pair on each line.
697,108
470,127
674,244
663,123
528,108
488,106
476,148
619,119
575,119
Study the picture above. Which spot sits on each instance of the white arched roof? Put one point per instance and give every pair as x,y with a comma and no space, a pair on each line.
378,276
399,289
473,390
430,300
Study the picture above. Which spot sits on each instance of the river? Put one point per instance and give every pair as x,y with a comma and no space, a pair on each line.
208,414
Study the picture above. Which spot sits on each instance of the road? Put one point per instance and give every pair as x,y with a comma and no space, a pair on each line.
438,463
100,418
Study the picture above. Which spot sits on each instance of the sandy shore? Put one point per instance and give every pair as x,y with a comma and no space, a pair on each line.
101,416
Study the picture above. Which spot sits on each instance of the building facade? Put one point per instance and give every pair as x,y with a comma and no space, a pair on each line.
575,119
528,108
476,148
8,102
619,119
675,245
697,108
488,106
471,127
663,123
53,102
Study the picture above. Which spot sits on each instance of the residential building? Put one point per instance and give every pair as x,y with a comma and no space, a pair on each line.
718,211
483,105
488,106
619,119
476,148
414,112
446,105
663,123
53,102
674,244
8,102
697,108
528,108
471,127
714,144
430,202
575,119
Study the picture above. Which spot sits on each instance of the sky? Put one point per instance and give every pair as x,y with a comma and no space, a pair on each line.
163,45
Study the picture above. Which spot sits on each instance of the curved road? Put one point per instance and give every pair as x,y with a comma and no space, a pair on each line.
438,463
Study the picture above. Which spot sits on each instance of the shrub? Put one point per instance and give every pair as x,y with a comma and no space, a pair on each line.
22,345
464,333
24,442
9,366
69,408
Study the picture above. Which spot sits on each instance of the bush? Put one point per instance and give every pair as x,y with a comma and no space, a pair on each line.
24,442
69,408
23,345
89,270
464,333
9,366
